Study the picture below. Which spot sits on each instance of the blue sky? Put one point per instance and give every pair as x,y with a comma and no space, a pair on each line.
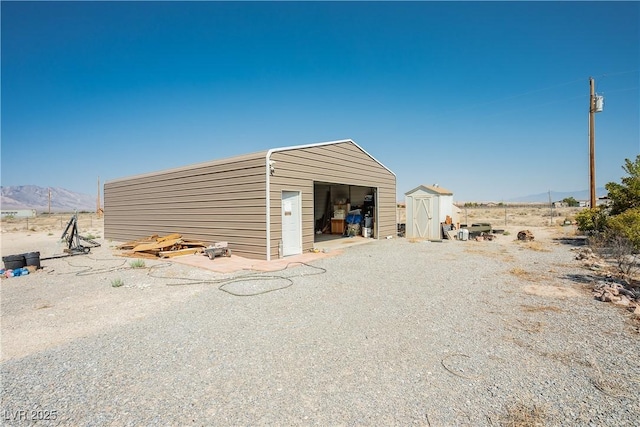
487,99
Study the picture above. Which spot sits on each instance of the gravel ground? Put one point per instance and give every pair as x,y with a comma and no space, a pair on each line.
388,333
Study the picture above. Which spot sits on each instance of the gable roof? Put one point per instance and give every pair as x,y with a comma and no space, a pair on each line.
319,144
431,189
264,154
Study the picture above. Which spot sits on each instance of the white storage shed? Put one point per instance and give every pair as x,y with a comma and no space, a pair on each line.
427,206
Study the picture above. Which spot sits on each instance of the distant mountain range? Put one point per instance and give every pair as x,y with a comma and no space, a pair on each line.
34,197
558,196
62,200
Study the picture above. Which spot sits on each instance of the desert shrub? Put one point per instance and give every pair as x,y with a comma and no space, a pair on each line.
523,415
620,241
116,283
627,225
138,263
592,220
623,253
616,248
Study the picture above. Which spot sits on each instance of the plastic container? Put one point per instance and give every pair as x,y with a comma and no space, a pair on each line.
14,262
366,232
32,258
463,234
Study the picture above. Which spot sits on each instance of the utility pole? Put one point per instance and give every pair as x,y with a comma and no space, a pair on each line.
596,104
550,209
98,198
98,204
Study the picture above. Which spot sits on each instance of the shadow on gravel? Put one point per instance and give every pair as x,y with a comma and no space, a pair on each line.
581,278
572,241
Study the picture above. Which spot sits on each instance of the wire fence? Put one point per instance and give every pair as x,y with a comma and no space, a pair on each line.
51,223
507,215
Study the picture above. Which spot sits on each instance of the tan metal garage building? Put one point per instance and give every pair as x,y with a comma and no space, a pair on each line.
266,204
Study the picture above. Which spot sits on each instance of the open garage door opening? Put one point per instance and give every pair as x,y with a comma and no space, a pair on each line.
344,211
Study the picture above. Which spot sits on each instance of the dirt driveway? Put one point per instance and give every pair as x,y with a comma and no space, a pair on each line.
389,332
72,297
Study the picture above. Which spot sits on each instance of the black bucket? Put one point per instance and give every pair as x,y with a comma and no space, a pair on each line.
14,262
32,258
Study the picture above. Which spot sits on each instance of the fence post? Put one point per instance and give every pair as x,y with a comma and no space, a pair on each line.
505,215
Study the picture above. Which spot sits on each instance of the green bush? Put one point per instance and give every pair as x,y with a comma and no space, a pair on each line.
116,283
627,224
626,195
138,263
591,220
571,202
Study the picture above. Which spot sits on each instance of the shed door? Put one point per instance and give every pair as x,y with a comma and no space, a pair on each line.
422,217
291,223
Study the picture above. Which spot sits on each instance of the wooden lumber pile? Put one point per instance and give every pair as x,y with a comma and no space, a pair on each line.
167,246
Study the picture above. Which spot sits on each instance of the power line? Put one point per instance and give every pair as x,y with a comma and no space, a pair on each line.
531,92
618,73
620,90
476,106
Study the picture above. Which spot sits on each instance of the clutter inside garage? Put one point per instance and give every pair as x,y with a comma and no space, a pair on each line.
344,210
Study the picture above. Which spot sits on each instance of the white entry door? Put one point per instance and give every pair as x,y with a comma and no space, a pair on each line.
291,223
422,217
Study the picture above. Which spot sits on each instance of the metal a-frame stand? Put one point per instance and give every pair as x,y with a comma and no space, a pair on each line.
77,244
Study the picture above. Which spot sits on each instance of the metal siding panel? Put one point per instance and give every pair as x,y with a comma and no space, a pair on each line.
210,204
298,168
219,184
342,163
210,211
186,201
245,197
161,181
229,186
216,166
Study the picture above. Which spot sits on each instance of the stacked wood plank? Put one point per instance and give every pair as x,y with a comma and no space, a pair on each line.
167,246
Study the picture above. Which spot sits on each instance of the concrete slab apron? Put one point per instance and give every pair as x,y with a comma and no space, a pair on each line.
237,263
